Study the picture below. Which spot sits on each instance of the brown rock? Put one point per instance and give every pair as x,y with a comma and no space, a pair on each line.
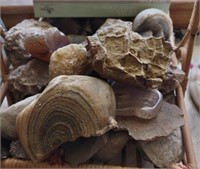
123,55
69,60
168,119
70,107
16,36
28,79
165,151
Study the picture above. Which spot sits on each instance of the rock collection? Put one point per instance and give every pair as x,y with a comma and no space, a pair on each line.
87,119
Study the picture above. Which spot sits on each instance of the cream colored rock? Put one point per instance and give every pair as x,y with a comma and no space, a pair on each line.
70,107
69,60
123,55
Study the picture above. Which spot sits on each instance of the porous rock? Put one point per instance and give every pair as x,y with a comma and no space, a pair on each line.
123,55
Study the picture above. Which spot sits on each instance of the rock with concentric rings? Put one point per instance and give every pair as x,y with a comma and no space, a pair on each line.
70,107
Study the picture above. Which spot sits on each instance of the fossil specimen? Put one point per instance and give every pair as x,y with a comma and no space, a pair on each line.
168,119
123,55
69,60
155,22
70,107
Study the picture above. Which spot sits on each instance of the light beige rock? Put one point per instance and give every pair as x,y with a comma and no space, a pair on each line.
123,55
69,60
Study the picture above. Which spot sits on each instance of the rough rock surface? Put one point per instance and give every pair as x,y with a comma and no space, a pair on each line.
29,79
165,151
169,118
69,60
16,36
123,55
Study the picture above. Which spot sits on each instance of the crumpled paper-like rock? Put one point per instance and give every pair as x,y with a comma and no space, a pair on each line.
123,55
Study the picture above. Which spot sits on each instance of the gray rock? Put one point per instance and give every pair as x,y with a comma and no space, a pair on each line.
168,119
165,151
8,117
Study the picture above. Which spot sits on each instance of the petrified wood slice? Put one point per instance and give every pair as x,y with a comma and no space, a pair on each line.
69,60
81,150
8,117
169,118
165,151
28,79
136,101
116,141
123,55
70,107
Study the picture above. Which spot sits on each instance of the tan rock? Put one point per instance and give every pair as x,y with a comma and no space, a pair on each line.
69,60
123,55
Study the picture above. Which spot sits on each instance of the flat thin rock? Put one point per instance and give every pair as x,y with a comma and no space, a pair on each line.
165,151
168,119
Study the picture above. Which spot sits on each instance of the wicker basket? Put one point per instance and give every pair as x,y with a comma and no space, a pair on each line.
183,50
